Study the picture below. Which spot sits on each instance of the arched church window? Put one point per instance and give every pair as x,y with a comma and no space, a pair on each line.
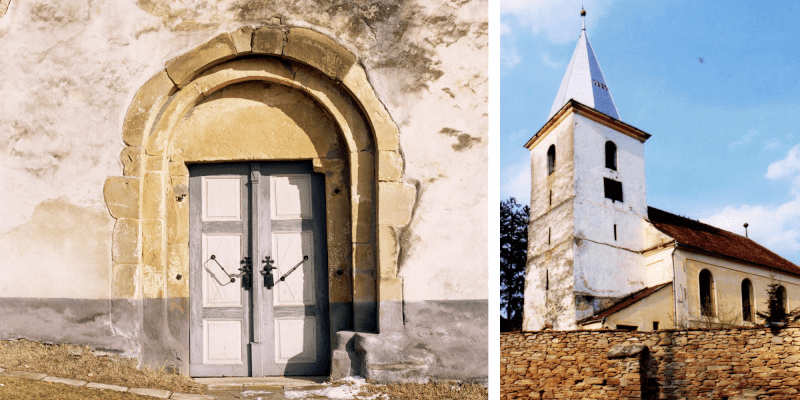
780,294
611,155
551,159
747,300
706,293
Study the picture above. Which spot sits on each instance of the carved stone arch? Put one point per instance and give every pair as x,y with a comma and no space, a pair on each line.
149,245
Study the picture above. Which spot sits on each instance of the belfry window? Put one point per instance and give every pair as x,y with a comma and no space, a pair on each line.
611,155
706,294
551,159
780,294
747,300
613,189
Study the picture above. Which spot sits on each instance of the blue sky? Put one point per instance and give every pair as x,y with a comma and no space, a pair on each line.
726,131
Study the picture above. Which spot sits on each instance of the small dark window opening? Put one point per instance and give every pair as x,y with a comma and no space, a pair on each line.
551,198
551,159
629,328
613,189
781,295
747,300
611,155
548,235
615,232
547,280
706,293
655,325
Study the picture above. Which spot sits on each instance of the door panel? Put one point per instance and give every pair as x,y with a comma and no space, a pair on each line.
289,249
218,290
258,210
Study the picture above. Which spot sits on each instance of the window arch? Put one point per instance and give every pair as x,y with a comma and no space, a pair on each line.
707,305
747,300
611,155
551,159
780,294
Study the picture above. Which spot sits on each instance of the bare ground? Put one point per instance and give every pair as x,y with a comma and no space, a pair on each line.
76,362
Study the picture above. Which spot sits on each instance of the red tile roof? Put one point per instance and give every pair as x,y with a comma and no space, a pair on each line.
697,235
625,302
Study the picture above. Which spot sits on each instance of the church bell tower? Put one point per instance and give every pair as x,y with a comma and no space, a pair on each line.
588,202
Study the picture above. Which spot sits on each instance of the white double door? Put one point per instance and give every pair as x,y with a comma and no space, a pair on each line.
246,319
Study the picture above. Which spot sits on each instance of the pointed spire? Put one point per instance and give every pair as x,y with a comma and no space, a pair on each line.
584,81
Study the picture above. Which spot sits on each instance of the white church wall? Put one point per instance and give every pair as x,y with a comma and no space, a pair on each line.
548,279
603,274
590,168
658,266
728,275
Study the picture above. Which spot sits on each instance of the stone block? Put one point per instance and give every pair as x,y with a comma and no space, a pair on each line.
146,103
178,270
387,251
243,39
319,51
178,168
390,166
395,203
122,196
269,41
25,375
66,381
157,393
124,281
188,396
184,68
131,158
106,386
173,111
153,203
387,137
126,249
390,289
364,288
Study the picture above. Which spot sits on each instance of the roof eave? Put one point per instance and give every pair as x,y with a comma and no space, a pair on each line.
574,106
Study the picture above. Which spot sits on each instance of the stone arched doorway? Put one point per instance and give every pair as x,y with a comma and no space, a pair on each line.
258,95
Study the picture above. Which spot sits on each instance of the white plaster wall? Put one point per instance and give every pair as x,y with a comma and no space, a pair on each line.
658,267
70,69
728,276
590,167
555,305
607,271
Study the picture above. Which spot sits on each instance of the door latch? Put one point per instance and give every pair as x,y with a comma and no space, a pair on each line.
269,279
247,273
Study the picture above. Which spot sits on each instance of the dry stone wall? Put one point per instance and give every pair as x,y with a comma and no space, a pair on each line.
733,364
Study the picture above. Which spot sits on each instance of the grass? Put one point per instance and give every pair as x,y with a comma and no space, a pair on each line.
429,391
15,388
76,362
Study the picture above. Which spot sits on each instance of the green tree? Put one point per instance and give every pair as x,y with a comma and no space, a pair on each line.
513,257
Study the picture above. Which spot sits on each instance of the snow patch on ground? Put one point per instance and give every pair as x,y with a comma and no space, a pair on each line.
348,391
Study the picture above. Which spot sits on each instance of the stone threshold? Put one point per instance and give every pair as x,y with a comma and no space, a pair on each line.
256,383
157,393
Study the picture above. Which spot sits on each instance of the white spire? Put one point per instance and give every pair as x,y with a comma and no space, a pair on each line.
584,81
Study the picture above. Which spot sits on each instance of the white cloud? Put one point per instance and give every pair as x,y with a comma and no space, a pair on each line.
515,181
746,139
558,20
787,168
550,63
509,56
778,227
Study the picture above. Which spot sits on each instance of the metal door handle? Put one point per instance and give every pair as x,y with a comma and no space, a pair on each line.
283,278
247,273
214,258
